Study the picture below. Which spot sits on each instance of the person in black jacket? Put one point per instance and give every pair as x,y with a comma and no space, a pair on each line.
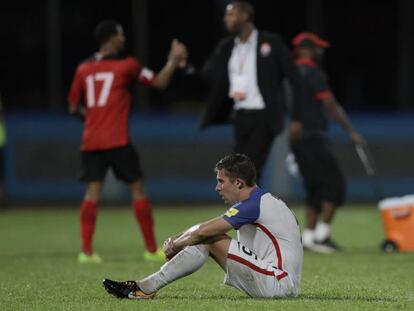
245,72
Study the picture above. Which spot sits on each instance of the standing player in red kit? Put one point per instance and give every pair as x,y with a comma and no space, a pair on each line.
103,83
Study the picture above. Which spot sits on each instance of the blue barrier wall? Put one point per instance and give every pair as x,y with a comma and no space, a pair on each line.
42,158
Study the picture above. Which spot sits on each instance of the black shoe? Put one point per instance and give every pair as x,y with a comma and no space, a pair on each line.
127,289
119,289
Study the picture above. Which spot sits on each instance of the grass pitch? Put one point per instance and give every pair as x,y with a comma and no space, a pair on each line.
39,271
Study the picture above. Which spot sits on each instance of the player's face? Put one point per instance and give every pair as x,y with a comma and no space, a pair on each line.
228,189
234,19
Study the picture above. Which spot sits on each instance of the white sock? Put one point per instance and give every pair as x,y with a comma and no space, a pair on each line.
189,260
322,231
308,237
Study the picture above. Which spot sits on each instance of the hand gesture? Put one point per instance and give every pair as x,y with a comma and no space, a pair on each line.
178,53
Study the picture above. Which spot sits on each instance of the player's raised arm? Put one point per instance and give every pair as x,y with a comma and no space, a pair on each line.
177,57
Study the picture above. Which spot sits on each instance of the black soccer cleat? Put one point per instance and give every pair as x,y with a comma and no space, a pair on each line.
126,289
119,289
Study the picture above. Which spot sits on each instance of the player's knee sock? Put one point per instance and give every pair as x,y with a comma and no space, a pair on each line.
189,260
88,212
143,215
322,231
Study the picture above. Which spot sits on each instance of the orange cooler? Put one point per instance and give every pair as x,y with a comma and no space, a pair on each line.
398,218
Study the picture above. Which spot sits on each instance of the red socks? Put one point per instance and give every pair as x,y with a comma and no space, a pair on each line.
143,215
88,212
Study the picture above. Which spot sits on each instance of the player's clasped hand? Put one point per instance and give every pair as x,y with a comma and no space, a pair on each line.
168,248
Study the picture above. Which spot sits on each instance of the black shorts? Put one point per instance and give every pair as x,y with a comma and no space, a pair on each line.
320,170
124,162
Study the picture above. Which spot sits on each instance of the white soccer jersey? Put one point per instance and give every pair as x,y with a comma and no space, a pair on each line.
269,228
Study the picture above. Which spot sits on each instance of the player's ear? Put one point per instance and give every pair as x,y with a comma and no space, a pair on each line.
239,183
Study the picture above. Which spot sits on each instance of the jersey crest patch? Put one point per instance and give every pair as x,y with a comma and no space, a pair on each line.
231,212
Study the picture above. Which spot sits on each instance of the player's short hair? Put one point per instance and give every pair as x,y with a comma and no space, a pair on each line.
105,30
245,7
238,166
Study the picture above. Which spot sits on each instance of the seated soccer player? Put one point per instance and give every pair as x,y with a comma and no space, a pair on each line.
264,261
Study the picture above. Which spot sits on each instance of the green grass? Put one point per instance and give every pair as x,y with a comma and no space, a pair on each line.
38,268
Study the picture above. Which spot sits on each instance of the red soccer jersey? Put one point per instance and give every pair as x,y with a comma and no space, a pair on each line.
104,85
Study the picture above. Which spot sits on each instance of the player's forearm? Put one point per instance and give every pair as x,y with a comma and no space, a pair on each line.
173,245
165,75
342,119
189,237
206,232
339,115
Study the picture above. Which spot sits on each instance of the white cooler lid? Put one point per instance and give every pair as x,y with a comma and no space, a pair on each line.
408,199
390,203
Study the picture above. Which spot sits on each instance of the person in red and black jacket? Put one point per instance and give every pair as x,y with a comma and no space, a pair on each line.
322,177
100,94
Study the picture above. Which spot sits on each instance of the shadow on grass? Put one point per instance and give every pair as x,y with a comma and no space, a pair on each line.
201,297
348,298
300,298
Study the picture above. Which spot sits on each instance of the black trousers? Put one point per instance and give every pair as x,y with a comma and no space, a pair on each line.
253,136
322,176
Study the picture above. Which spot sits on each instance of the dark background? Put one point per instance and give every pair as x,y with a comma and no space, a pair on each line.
369,64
